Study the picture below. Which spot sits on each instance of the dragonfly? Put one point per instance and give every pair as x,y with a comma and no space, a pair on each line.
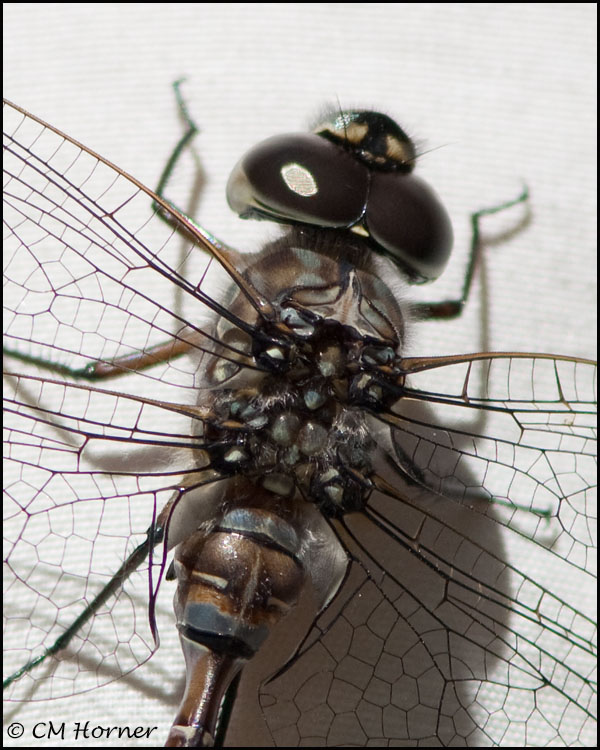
250,426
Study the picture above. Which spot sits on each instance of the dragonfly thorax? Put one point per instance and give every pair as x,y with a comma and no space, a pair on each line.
302,428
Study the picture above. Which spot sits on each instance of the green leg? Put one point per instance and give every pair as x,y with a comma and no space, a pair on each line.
452,308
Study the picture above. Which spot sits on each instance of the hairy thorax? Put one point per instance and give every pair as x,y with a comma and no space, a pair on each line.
297,421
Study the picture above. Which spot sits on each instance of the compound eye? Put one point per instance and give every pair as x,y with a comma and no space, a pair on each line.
299,178
407,220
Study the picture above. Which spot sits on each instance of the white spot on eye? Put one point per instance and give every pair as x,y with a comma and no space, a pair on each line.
299,180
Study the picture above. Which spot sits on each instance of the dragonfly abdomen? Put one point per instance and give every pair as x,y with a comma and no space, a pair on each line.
234,584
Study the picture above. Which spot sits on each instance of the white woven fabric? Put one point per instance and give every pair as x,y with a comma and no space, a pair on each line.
497,94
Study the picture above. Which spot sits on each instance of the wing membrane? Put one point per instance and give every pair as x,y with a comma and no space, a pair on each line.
450,628
81,285
454,594
525,435
87,469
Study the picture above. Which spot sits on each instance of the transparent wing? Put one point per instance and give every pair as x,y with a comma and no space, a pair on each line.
79,498
466,620
524,437
87,470
451,627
